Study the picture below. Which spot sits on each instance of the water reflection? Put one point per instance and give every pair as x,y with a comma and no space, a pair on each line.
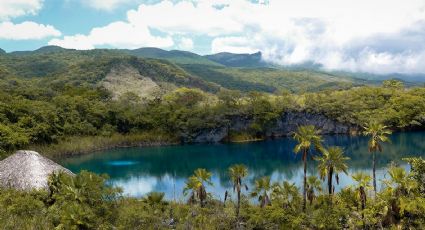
141,170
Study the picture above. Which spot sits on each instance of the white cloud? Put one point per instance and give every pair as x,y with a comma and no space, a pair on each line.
187,17
14,8
26,31
379,36
117,34
106,5
233,45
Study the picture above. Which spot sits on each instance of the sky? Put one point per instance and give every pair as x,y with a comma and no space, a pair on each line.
375,36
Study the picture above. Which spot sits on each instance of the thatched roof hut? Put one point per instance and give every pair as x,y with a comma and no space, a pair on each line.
27,170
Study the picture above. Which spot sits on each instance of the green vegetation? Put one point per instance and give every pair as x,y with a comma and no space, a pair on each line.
332,162
57,100
307,136
54,100
85,201
88,144
239,60
237,173
271,80
38,112
378,134
176,56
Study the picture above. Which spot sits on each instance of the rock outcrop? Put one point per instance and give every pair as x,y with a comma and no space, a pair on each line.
284,126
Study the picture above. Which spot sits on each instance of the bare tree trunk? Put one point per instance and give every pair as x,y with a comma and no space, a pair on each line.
305,179
374,173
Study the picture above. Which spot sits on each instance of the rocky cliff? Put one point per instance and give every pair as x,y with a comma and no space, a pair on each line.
284,126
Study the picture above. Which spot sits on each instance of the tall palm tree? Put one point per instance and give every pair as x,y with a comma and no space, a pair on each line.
306,136
332,162
237,173
196,184
313,186
262,190
378,134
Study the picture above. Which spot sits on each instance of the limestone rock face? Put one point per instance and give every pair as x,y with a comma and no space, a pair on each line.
27,170
290,121
284,126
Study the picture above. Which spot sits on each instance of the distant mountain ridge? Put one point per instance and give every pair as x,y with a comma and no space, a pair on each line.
244,72
239,60
226,59
177,56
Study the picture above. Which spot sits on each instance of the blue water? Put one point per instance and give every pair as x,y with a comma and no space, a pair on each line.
165,169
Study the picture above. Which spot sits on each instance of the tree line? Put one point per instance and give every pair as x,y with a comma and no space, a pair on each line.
36,112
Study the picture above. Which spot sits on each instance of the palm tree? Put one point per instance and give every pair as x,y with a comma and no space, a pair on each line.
378,134
400,184
313,186
363,183
237,173
262,190
306,136
196,184
287,193
332,162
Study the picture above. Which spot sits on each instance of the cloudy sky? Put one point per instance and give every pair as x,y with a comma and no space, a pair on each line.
376,36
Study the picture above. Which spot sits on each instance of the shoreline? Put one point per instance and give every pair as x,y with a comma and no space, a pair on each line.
77,146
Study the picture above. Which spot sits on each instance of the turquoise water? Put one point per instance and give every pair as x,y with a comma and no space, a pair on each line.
165,169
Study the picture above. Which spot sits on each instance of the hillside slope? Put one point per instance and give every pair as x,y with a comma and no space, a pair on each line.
92,67
176,56
239,60
166,70
272,80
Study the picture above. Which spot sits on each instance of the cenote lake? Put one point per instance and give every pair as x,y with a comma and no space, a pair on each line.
165,169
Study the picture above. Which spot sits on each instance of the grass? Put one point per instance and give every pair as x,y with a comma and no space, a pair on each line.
80,145
243,137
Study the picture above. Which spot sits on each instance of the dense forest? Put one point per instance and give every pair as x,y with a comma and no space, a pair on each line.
62,102
42,112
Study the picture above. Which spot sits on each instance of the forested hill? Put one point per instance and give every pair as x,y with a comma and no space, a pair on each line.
239,60
176,56
151,70
60,66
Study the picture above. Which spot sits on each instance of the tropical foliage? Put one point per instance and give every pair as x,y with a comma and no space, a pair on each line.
87,202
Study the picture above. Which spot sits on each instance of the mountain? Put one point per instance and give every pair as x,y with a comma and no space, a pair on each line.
42,50
50,49
2,51
272,80
116,71
239,60
152,71
176,56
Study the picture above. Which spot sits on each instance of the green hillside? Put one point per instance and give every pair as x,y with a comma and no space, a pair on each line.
91,67
176,56
271,79
143,70
239,60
